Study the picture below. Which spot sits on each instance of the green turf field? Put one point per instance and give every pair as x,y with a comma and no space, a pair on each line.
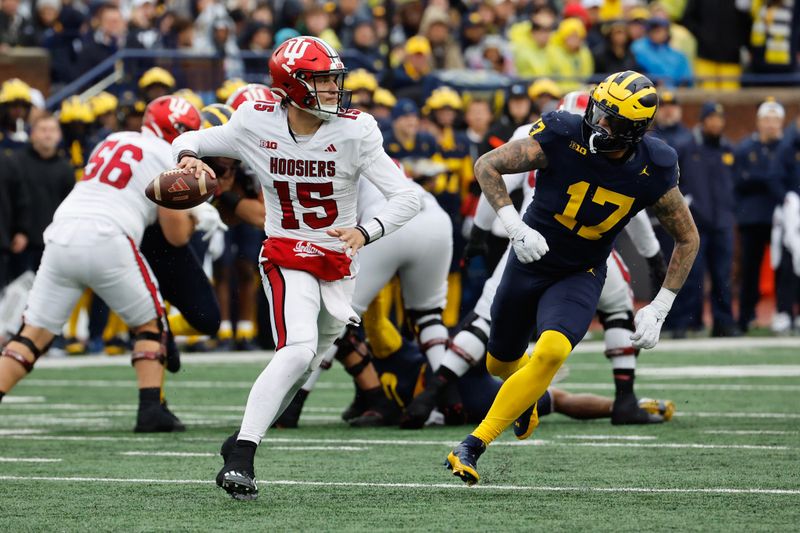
730,460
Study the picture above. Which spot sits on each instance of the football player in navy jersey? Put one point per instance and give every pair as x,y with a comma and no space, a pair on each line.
596,172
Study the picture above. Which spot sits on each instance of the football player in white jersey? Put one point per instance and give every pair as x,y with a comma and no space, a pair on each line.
93,242
615,307
309,153
419,253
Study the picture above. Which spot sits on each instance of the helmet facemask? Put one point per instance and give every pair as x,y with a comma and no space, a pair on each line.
618,133
312,103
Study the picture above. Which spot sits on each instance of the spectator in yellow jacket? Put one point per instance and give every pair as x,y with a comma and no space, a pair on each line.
571,62
529,44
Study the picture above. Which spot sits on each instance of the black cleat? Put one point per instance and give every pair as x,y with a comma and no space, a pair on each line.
157,418
420,408
626,411
463,460
451,406
239,483
237,475
356,407
384,413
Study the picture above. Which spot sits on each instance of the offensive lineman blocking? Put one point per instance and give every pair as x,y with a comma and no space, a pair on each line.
308,153
94,242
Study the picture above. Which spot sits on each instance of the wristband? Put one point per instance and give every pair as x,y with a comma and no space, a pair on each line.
364,233
230,199
374,229
186,153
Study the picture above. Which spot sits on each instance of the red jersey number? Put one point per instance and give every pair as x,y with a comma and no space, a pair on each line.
310,196
113,163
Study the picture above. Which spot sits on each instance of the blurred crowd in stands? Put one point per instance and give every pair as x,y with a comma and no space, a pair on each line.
676,42
437,131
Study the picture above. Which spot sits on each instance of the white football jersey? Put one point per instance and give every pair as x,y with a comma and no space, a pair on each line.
113,185
371,201
309,186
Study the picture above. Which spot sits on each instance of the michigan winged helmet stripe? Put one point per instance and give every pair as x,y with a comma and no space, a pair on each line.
215,115
630,94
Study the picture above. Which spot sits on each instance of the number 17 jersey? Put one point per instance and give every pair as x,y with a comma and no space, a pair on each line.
584,200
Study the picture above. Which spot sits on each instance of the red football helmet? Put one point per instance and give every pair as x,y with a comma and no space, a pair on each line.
295,66
575,102
250,92
169,116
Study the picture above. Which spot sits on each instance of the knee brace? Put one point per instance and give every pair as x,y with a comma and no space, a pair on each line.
618,342
159,355
29,344
470,343
18,357
351,343
429,328
621,319
552,348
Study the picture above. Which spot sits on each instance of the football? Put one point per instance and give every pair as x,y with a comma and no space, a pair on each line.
179,189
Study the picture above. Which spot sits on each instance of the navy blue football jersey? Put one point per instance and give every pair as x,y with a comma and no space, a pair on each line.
584,200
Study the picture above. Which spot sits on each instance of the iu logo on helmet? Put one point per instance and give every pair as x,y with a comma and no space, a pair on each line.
178,107
295,50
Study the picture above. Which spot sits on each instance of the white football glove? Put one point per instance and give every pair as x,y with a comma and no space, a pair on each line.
207,220
529,244
650,318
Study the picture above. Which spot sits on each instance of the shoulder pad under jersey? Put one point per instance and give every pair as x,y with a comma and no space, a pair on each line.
562,123
661,154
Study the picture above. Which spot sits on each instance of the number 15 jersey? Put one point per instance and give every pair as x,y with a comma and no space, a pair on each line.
584,200
310,185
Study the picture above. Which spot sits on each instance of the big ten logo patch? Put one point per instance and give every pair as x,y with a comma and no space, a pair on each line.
577,147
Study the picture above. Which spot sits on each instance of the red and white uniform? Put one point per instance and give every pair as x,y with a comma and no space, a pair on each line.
419,253
94,237
616,296
310,185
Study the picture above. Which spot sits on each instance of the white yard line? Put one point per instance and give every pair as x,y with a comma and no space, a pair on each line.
748,432
23,399
278,448
608,437
416,486
721,371
28,460
733,346
701,414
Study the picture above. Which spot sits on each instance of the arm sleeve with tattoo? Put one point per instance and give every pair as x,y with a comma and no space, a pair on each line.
513,157
674,215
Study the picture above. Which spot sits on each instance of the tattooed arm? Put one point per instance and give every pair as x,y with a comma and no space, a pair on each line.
674,215
512,157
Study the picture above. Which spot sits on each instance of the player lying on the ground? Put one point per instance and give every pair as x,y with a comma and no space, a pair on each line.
615,306
595,174
309,154
93,242
419,254
401,377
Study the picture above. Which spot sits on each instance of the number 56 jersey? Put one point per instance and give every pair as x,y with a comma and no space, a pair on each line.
309,183
112,189
584,200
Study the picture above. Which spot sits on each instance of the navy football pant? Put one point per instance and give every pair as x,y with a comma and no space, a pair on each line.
528,303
